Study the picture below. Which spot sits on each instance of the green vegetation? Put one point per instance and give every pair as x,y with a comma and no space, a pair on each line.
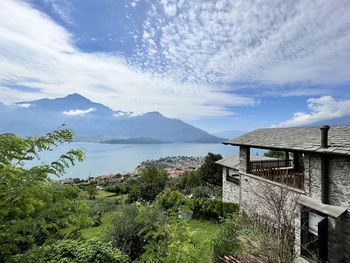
275,154
210,172
150,218
151,182
71,251
34,209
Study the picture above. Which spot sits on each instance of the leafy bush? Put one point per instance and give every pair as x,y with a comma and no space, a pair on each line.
211,208
102,206
205,191
124,233
134,225
169,199
110,188
227,242
176,244
73,251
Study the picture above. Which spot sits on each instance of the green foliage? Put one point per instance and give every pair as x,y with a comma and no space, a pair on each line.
274,154
211,208
176,244
227,241
169,199
103,205
72,251
92,192
124,233
210,172
190,179
151,182
32,208
206,191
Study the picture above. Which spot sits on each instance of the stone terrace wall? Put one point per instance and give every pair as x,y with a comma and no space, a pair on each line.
252,195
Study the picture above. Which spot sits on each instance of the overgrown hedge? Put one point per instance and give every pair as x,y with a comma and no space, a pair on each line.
202,208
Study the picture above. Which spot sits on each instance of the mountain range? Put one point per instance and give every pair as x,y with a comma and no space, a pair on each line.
96,122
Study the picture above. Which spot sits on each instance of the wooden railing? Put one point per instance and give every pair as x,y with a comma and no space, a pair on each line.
279,171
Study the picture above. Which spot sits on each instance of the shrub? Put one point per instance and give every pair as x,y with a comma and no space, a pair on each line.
124,233
205,191
176,244
102,206
169,199
134,226
227,242
211,208
73,251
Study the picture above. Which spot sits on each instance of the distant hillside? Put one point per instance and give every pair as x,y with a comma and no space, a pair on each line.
229,134
133,141
95,122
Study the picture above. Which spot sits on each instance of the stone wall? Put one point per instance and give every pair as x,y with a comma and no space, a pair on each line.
256,194
230,190
339,195
312,173
244,157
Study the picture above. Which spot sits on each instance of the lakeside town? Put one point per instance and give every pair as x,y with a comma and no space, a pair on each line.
175,166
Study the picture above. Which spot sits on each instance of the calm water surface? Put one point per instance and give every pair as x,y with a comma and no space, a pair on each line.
112,158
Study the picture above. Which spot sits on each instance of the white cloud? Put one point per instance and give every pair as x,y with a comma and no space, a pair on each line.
322,109
78,112
270,41
24,105
63,9
126,114
37,52
119,114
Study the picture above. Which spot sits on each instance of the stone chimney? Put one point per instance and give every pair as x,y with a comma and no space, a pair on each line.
324,136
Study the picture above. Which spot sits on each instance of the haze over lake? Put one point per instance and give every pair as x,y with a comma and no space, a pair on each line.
113,158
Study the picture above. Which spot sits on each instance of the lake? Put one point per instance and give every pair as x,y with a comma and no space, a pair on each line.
113,158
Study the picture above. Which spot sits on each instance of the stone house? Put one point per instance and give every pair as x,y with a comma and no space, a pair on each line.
315,172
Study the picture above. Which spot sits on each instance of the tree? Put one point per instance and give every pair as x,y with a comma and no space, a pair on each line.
32,207
152,181
210,172
274,154
92,192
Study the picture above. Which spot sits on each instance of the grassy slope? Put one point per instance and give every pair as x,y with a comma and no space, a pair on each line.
203,231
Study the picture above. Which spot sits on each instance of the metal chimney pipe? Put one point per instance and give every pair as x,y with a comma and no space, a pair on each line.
324,136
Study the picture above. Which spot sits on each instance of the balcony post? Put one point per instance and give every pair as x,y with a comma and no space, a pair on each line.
296,161
244,158
286,155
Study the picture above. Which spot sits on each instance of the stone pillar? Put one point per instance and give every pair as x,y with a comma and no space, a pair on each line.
244,158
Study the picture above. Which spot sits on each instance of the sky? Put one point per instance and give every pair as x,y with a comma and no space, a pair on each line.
220,65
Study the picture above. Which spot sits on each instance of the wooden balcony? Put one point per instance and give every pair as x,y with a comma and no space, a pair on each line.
280,171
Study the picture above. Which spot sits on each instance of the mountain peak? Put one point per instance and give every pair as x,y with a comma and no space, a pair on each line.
154,114
75,96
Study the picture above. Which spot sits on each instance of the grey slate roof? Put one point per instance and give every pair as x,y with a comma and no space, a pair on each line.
306,139
233,161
